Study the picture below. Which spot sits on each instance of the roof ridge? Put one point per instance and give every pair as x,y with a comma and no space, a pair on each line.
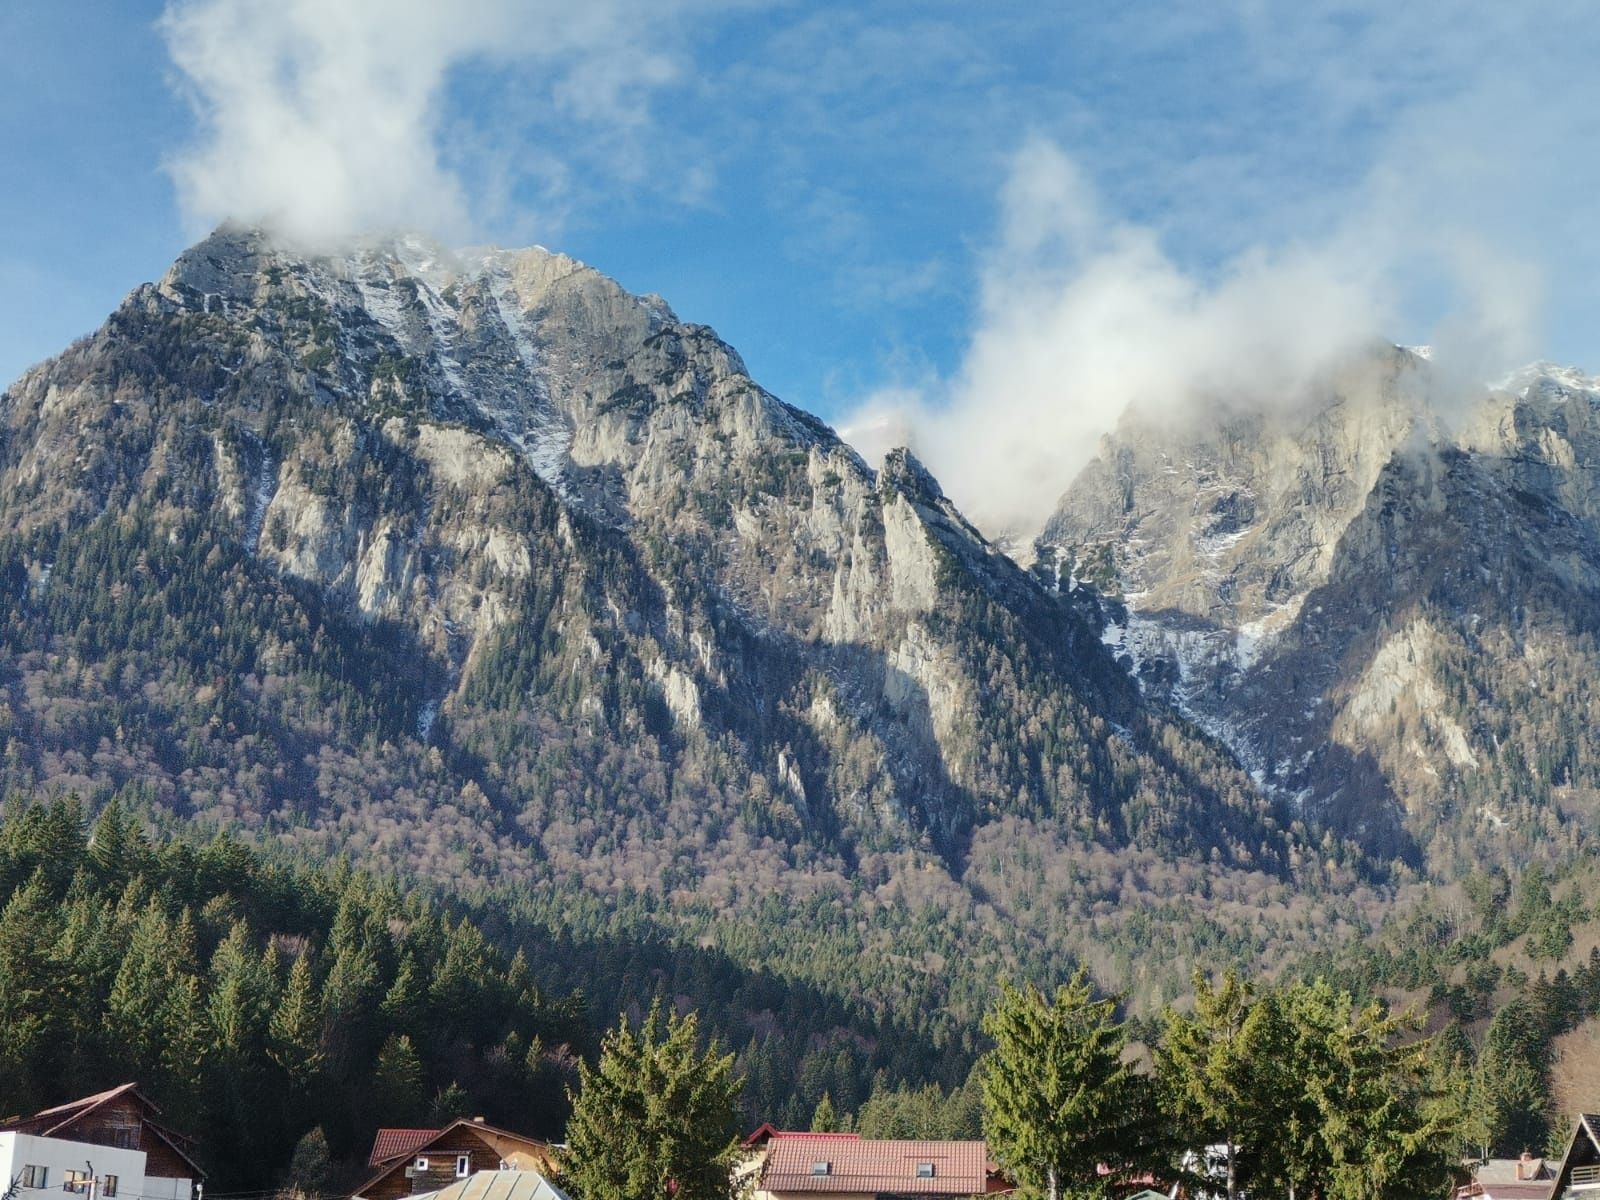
96,1099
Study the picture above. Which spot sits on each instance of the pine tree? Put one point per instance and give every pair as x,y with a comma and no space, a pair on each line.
311,1166
117,846
294,1033
398,1082
182,1055
1511,1080
240,997
655,1117
402,1003
448,1104
350,998
1389,1124
824,1119
28,931
1058,1100
159,953
1213,1068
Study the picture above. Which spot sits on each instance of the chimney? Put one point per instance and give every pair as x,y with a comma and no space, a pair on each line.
479,1121
1525,1166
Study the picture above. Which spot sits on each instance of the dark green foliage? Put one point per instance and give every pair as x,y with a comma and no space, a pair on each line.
311,1165
1311,1094
655,1117
248,998
1058,1101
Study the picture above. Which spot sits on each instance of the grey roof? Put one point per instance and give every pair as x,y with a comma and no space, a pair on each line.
499,1185
1510,1170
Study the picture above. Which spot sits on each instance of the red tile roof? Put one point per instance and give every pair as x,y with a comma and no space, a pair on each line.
769,1131
397,1143
861,1165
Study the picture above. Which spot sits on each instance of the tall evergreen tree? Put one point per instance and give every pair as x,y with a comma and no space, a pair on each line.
1511,1084
824,1119
1389,1125
295,1029
1216,1070
1058,1101
28,989
655,1117
398,1082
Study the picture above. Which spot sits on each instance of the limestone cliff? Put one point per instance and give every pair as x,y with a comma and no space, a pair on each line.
479,563
1385,604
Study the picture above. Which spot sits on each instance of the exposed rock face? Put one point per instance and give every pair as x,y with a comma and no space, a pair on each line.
583,531
1361,597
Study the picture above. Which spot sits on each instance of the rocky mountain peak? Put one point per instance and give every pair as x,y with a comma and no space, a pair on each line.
903,471
578,532
1323,584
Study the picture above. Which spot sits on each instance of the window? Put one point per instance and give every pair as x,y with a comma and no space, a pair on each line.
108,1186
463,1165
422,1164
925,1170
821,1168
123,1138
35,1177
76,1181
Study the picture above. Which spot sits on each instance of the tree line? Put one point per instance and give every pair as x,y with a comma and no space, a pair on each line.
1294,1091
269,1002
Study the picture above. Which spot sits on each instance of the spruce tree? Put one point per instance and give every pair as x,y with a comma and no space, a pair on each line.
1389,1124
655,1117
1058,1101
28,930
1213,1068
398,1082
240,999
448,1104
158,954
311,1165
824,1119
295,1030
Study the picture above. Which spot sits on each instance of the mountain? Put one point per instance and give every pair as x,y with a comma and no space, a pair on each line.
475,570
1382,597
475,566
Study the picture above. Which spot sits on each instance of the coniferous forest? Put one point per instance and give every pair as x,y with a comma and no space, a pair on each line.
257,999
262,1001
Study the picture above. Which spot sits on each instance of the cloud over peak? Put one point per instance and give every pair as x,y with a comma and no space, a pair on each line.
324,121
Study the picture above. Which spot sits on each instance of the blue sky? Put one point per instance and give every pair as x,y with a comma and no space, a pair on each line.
871,201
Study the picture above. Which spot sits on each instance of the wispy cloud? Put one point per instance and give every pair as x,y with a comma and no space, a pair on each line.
1239,283
327,120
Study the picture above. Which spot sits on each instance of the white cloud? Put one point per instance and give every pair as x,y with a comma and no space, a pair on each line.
324,121
1462,223
1081,315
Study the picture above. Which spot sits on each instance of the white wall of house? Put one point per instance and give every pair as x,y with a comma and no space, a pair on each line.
156,1188
56,1156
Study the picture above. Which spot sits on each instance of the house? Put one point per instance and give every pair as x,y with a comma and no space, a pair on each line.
413,1162
1579,1175
106,1145
1525,1178
845,1166
500,1185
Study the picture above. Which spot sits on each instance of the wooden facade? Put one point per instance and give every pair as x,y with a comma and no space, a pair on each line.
122,1117
459,1150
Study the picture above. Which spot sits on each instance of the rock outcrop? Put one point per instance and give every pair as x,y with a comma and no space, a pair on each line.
1384,604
